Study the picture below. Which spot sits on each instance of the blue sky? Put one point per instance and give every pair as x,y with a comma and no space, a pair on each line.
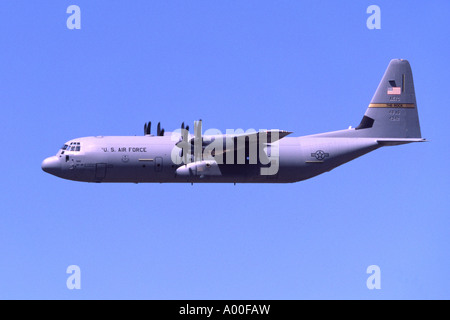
292,65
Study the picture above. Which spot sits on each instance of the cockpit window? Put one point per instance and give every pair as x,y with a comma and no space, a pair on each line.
73,146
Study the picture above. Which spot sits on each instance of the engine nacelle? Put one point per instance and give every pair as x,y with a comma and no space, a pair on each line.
199,169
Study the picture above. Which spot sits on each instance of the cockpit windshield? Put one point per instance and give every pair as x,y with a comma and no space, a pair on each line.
73,146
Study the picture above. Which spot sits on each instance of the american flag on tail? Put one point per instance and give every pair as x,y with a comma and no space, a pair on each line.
394,90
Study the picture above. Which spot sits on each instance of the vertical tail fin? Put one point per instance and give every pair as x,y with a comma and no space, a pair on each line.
392,113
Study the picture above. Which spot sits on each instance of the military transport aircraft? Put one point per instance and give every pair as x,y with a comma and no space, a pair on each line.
264,156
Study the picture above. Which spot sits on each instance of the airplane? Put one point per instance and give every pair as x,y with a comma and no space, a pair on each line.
264,156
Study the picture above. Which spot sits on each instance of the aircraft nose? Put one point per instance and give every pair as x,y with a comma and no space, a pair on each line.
51,165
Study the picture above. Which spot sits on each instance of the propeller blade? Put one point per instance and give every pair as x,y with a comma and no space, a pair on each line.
198,140
158,129
198,129
149,126
162,131
145,128
184,143
185,136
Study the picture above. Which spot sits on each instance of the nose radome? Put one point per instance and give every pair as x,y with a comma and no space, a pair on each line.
51,165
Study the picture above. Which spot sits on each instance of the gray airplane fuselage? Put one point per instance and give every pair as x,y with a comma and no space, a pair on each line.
148,159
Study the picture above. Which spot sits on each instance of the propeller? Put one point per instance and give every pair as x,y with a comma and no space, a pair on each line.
147,128
184,143
159,131
197,141
182,127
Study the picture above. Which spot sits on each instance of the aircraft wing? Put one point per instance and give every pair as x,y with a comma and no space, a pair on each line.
272,135
222,143
238,140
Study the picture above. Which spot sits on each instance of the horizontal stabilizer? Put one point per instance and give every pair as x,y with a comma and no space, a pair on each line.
398,141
